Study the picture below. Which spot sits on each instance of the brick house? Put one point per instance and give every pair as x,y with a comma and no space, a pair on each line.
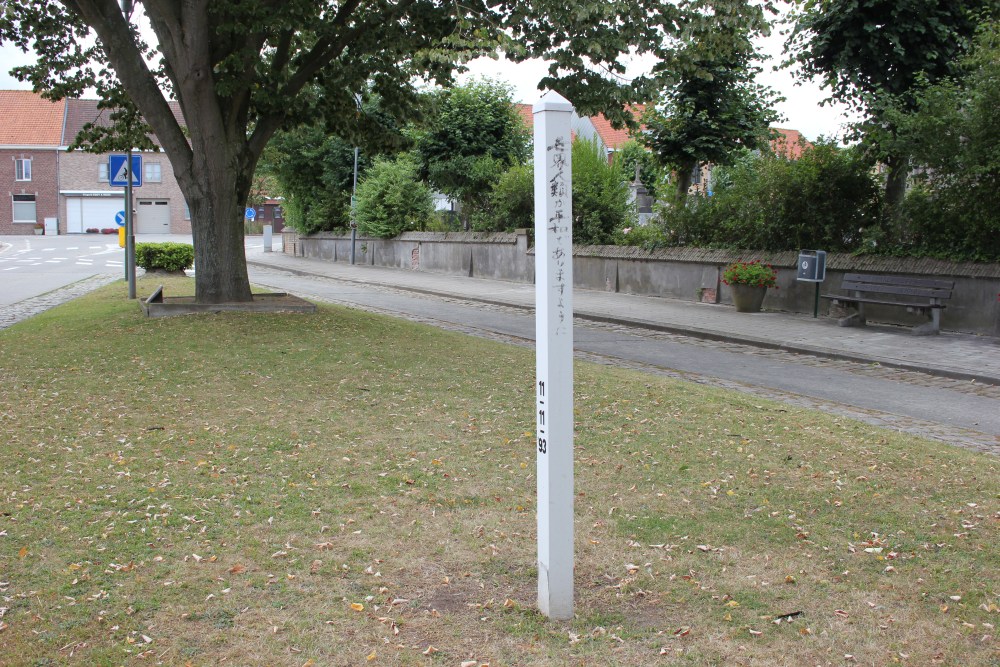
46,181
86,201
30,136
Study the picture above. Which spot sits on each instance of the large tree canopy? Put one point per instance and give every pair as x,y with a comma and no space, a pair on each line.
243,69
872,53
712,107
473,134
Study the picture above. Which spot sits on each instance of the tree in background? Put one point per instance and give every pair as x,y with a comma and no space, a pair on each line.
954,138
392,199
314,164
828,198
600,195
472,136
315,171
713,107
652,176
243,69
871,54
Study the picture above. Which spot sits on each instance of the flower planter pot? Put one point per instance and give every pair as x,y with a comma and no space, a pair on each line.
748,298
39,232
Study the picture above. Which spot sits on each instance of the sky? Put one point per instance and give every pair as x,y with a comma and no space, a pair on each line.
802,109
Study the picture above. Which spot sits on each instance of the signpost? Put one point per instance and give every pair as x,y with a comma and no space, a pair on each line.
126,171
554,354
250,214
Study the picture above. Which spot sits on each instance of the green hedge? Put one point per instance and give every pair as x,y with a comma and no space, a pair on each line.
164,256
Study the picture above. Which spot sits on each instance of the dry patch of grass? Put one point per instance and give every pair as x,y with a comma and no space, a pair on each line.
345,489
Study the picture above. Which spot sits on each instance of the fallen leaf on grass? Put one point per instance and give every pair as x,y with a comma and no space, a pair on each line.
430,650
236,569
357,606
682,632
23,552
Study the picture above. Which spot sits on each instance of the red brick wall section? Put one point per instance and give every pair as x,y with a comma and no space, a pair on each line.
43,184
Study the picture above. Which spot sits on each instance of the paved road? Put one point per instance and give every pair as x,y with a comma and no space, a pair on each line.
956,411
34,265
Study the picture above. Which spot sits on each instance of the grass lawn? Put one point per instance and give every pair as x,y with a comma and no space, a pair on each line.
348,489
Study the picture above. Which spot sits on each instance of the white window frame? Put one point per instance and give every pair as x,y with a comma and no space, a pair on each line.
102,172
22,169
13,206
149,168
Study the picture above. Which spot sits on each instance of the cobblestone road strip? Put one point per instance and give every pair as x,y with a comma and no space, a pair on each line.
22,310
961,437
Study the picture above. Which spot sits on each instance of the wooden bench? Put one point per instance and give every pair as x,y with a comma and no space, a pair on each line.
921,295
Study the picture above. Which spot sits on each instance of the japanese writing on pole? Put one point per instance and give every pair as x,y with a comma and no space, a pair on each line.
559,228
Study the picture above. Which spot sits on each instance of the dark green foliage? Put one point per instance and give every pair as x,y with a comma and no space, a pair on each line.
600,198
511,203
873,55
315,171
953,136
828,199
652,176
713,106
473,135
600,195
164,256
392,200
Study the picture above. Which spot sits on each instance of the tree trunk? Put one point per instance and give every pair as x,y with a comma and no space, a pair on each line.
219,252
685,174
895,182
216,200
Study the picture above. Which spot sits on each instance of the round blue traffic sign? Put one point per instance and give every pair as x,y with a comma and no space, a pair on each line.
251,213
120,218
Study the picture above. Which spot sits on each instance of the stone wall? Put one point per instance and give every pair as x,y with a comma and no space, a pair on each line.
690,274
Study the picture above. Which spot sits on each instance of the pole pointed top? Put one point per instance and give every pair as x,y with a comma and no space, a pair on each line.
552,101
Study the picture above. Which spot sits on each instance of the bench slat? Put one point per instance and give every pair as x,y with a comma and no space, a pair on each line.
900,280
880,302
902,290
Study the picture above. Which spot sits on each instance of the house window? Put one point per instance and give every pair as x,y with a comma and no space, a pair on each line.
153,173
24,209
187,211
102,172
22,169
277,213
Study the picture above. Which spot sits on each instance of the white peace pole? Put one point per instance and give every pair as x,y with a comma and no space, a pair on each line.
554,354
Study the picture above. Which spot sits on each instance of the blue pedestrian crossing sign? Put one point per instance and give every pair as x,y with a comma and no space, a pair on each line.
251,213
118,170
120,218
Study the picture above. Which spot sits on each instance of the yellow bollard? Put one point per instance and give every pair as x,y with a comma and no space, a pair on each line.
121,237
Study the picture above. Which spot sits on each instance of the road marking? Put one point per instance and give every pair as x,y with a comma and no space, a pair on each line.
53,261
48,249
12,268
73,247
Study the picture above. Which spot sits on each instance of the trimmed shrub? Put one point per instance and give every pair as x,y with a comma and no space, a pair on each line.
164,256
391,200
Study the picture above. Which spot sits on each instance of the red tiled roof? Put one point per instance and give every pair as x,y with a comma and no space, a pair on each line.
611,137
789,143
81,112
29,119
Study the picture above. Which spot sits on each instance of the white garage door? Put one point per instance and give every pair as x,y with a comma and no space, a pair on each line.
83,213
152,216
